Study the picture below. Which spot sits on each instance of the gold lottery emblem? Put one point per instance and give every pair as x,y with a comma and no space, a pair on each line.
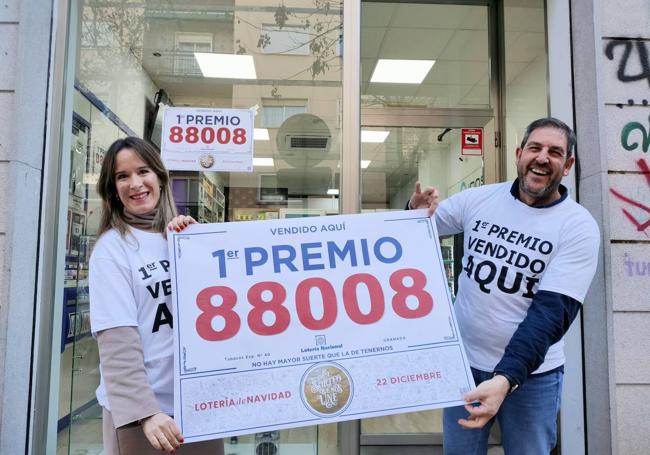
206,161
326,389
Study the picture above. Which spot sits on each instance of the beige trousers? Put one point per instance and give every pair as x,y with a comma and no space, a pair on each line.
130,440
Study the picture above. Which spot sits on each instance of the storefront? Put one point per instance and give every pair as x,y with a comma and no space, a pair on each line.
354,102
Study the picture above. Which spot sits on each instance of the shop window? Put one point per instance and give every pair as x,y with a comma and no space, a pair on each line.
117,75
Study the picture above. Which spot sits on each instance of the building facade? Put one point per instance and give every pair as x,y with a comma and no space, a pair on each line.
333,134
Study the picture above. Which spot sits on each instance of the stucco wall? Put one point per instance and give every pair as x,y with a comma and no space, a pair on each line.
9,24
611,47
625,62
25,28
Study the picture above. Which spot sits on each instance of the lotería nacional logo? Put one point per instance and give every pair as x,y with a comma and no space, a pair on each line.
326,389
206,161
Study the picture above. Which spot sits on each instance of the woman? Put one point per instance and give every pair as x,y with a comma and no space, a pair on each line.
130,302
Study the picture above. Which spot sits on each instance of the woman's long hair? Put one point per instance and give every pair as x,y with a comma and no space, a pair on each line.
112,208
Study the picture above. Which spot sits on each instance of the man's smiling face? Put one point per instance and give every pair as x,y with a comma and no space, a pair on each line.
541,164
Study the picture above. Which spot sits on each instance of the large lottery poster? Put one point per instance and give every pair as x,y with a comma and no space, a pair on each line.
303,321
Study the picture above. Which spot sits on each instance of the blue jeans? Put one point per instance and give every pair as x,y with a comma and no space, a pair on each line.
527,417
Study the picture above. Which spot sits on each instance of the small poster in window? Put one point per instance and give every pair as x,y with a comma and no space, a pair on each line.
205,139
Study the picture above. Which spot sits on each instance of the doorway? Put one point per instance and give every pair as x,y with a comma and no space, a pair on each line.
432,155
428,80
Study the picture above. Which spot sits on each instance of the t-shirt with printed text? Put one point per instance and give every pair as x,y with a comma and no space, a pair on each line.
130,285
512,250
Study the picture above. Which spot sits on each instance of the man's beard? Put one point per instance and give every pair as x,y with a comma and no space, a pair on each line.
541,195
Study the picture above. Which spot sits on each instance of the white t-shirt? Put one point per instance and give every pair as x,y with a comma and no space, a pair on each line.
130,285
511,251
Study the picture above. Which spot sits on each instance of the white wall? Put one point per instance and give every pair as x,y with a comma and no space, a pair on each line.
447,169
8,39
25,28
609,103
628,250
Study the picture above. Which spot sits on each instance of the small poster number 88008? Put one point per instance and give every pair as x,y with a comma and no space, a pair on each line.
207,135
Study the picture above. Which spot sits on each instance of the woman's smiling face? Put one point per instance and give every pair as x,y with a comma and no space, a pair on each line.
137,185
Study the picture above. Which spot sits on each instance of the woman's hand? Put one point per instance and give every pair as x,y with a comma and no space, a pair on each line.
180,222
162,432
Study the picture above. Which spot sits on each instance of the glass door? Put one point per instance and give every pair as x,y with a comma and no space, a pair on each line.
429,112
390,168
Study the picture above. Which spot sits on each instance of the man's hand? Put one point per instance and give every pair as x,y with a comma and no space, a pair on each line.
490,394
427,199
162,432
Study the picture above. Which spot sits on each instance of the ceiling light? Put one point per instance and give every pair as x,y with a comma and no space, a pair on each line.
333,192
374,136
260,134
365,163
227,66
263,162
401,71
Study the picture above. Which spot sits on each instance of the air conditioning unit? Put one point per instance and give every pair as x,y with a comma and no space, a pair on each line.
303,140
307,141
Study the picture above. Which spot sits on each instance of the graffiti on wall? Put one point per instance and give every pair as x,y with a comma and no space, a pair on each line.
640,225
642,52
632,127
635,267
633,62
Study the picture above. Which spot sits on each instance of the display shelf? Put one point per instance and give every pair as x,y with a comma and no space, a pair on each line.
200,197
447,251
250,214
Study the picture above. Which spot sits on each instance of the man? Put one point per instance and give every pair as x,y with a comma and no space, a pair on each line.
530,255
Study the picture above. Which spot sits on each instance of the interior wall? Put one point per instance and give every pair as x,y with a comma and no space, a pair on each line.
464,171
526,92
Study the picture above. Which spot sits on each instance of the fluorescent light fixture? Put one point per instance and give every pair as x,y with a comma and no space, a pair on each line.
374,136
263,162
226,66
261,134
364,164
401,71
333,192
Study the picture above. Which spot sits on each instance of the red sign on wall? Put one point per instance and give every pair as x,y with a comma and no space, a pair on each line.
471,141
